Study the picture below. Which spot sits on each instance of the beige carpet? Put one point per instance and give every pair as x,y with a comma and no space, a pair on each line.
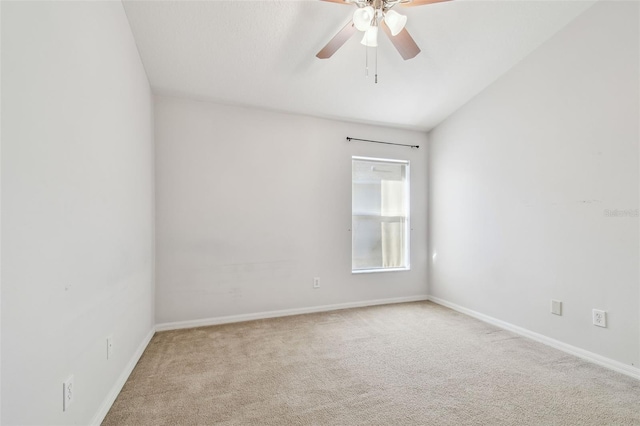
405,364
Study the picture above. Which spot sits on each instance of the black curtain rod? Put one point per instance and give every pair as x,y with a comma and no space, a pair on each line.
386,143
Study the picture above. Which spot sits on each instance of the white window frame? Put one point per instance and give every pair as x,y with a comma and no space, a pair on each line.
407,230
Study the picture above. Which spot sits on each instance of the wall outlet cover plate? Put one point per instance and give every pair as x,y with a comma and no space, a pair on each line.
67,393
599,318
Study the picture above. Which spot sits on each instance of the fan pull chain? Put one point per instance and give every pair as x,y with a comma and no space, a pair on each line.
375,23
376,81
366,61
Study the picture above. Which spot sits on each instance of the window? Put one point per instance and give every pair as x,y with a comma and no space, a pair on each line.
379,215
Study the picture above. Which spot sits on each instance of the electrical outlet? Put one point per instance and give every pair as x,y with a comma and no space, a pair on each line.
316,282
110,347
556,307
599,318
67,393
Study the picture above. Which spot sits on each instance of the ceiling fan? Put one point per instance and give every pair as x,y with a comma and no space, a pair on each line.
374,14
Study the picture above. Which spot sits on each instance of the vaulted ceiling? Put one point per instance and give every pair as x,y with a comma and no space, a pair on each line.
262,54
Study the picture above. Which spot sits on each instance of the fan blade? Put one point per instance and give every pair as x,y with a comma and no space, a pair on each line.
413,3
337,41
403,42
340,1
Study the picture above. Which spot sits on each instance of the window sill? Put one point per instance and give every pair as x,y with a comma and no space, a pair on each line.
372,271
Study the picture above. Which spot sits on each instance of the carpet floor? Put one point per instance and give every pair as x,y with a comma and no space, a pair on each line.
405,364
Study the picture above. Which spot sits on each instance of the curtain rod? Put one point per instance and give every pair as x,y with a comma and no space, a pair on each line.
386,143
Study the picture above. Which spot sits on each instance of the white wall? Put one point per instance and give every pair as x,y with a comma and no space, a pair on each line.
77,217
0,217
520,180
251,205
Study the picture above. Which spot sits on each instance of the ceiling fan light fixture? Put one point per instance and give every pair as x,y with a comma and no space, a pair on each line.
362,18
395,21
370,38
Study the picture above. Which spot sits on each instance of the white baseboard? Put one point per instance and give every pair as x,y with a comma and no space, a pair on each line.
117,386
282,313
609,363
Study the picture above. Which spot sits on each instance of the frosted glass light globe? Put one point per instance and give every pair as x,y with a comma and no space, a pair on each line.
362,18
395,21
370,38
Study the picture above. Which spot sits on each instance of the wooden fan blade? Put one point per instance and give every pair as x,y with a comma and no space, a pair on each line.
338,1
413,3
403,42
337,41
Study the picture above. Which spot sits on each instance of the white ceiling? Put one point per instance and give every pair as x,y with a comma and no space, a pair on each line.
262,54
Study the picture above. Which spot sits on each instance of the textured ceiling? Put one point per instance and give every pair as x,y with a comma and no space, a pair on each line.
262,53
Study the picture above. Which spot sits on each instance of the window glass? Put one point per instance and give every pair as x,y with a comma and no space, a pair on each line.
380,215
